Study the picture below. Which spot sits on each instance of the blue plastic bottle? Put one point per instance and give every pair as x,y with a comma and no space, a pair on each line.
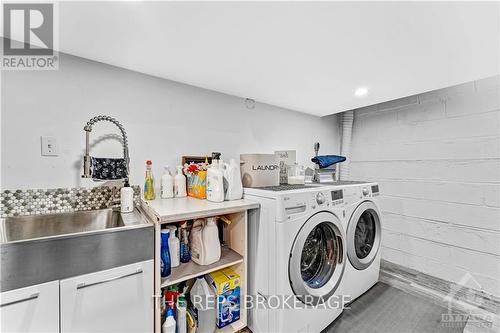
165,254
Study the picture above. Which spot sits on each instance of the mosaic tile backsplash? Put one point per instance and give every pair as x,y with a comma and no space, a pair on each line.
60,200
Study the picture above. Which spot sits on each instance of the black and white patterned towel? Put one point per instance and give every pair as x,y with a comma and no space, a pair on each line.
108,168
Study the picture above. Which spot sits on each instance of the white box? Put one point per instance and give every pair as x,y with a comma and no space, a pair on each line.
259,170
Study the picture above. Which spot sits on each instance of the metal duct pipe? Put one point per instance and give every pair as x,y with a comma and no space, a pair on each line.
345,147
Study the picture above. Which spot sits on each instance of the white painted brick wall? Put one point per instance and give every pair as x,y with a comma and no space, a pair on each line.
437,159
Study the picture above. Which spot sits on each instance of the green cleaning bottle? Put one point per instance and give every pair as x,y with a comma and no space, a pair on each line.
149,183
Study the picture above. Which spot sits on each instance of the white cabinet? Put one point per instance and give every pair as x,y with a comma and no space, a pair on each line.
31,309
115,300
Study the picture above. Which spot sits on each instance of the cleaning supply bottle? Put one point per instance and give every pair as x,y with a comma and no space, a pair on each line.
180,183
215,181
181,314
169,324
171,298
232,181
149,183
165,254
196,242
174,247
184,242
126,198
167,184
211,244
162,305
202,297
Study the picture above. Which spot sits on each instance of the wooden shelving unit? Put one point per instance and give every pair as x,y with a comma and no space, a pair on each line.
233,253
192,270
180,209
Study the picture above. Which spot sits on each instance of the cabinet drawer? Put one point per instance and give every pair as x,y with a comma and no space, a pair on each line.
31,309
114,300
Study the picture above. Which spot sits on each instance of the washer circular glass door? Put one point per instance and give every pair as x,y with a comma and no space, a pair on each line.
317,259
363,235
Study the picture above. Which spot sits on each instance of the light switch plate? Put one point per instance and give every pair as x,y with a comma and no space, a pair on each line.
50,146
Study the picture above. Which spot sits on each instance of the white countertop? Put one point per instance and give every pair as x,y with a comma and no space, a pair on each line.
180,209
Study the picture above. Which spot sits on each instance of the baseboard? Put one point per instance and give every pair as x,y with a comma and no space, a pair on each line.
482,308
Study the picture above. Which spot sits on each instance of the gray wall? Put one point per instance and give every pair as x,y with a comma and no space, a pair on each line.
164,120
436,156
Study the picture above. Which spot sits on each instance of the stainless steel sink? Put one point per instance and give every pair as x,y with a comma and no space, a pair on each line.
42,248
36,226
22,228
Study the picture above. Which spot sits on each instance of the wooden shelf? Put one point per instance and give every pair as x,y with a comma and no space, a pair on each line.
192,270
232,328
180,209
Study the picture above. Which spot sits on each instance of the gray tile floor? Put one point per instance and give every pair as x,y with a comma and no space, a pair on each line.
385,309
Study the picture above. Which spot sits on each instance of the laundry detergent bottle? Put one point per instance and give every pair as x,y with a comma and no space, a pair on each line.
203,297
205,245
232,181
211,243
196,242
215,181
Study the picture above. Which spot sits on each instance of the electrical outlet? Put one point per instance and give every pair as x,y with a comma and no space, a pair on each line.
49,146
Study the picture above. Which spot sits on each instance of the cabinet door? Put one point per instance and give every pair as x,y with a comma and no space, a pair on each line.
114,300
31,309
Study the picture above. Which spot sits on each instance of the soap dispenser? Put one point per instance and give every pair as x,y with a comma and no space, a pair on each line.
126,198
180,183
167,184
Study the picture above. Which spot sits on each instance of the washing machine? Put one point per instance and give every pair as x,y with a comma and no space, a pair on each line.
363,231
297,258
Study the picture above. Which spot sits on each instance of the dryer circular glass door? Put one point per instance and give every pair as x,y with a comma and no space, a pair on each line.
363,235
317,258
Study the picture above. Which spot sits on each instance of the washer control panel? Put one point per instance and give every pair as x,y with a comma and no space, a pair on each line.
323,199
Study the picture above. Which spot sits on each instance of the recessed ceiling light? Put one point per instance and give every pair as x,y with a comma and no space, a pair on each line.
361,92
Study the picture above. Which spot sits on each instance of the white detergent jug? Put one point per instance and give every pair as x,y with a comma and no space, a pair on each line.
196,242
215,182
204,241
232,181
203,299
211,243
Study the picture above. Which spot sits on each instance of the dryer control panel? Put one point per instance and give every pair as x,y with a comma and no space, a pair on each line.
354,194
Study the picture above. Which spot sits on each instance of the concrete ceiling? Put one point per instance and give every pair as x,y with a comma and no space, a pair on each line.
309,57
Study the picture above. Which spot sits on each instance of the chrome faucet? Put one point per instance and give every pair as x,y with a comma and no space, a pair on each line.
88,129
315,178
